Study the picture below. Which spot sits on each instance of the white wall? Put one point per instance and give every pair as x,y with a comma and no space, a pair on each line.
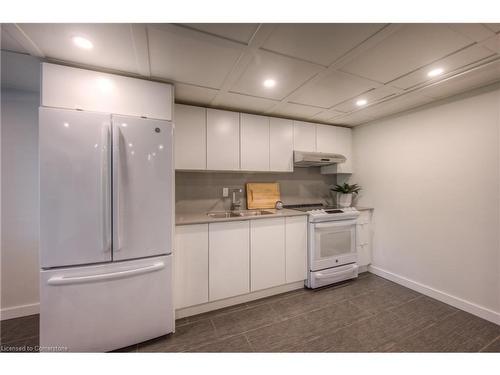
20,215
433,178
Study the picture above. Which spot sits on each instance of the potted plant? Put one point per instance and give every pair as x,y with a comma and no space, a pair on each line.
344,193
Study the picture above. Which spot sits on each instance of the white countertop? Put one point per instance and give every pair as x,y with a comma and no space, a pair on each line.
203,218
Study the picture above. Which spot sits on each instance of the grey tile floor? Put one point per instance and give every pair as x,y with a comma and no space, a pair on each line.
369,314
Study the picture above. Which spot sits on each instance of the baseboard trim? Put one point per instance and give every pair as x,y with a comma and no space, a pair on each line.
454,301
19,311
215,305
362,269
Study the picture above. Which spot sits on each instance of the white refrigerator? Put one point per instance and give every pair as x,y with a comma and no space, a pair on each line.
106,228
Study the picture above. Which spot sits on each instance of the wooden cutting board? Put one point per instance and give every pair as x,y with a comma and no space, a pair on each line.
262,195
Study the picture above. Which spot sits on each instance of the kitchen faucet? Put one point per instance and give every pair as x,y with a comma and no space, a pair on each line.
236,204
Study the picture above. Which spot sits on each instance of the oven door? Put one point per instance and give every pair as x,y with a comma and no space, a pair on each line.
332,244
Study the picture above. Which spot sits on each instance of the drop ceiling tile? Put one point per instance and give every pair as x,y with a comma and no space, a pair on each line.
240,32
188,56
399,104
407,49
297,111
370,96
20,72
8,43
288,73
332,89
327,115
193,94
468,81
321,43
451,63
244,102
493,44
356,118
476,32
113,48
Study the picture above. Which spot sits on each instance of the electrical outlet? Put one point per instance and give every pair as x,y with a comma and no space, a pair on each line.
225,192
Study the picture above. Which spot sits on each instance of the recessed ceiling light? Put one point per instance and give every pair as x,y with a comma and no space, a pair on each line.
435,72
82,42
269,83
361,102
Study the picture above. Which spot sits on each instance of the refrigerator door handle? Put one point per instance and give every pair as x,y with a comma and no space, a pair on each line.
61,280
117,240
104,191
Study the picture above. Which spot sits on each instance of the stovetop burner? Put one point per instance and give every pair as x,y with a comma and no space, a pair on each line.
309,207
322,212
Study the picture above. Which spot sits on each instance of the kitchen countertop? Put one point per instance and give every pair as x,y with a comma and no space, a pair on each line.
203,218
361,208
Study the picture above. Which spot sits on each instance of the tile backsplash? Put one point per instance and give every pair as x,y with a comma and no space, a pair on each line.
202,191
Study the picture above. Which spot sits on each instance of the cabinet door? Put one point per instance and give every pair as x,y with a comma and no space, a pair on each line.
363,238
191,265
296,248
337,140
326,138
267,239
223,140
190,137
281,145
304,136
229,259
74,88
254,142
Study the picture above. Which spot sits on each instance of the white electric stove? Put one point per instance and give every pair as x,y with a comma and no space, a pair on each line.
331,244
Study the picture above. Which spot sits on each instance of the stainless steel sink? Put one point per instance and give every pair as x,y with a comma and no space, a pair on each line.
222,215
228,214
255,213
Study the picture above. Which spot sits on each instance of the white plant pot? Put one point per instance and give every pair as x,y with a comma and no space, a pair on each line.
344,200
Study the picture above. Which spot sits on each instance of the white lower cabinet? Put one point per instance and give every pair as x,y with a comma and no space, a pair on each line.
363,238
191,265
296,248
229,259
267,253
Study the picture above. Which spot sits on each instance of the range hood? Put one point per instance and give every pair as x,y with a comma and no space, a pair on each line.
316,159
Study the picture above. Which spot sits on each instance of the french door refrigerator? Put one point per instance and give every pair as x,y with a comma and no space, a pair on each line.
106,210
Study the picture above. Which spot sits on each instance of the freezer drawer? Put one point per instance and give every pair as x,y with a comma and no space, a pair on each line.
105,307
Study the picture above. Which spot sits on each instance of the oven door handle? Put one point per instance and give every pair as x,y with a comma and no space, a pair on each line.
335,224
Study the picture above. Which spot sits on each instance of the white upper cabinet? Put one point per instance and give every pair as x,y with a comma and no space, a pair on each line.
190,137
281,145
73,88
267,253
254,142
304,136
218,140
223,140
337,140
